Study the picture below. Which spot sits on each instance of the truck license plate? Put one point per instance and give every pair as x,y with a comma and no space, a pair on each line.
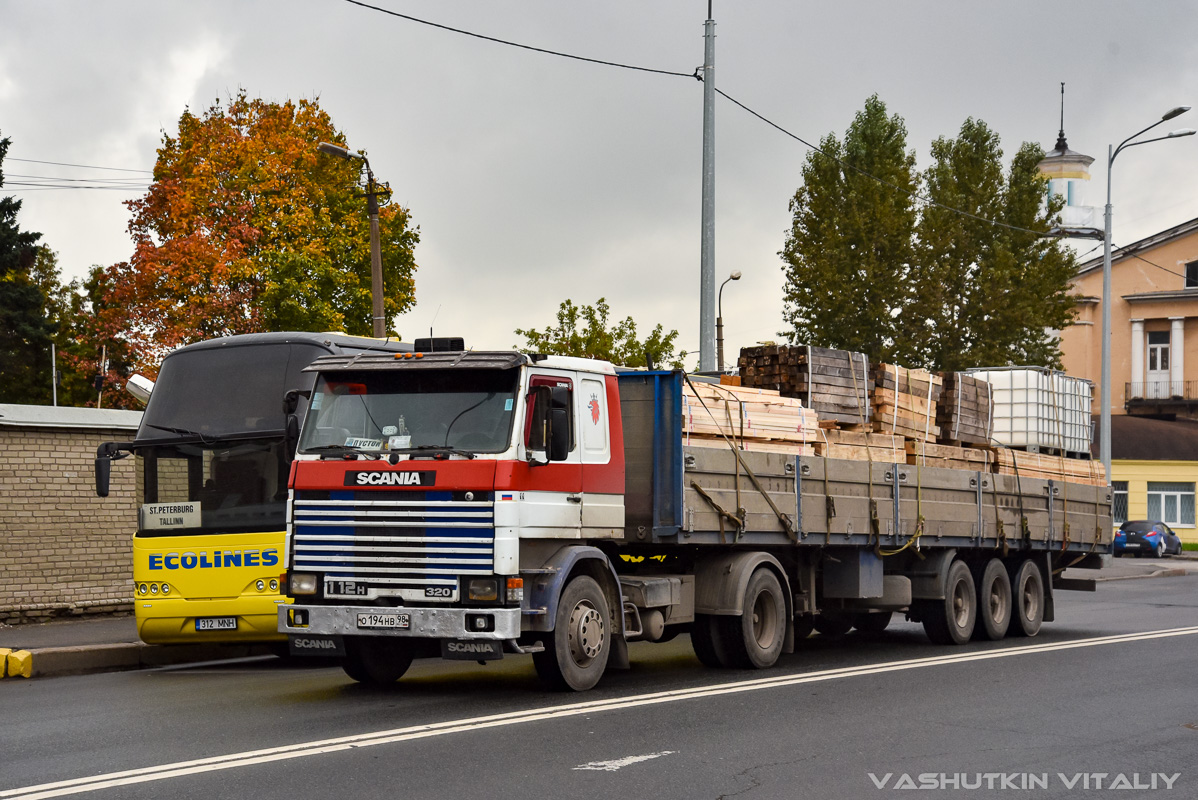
216,623
384,621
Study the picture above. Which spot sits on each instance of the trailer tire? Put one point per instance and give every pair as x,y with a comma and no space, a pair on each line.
994,602
706,642
804,625
376,662
754,639
951,620
875,622
577,650
1027,589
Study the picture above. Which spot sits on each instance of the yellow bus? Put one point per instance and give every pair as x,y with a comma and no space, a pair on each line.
212,457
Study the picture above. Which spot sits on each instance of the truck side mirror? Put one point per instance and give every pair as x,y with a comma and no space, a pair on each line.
291,400
559,434
291,437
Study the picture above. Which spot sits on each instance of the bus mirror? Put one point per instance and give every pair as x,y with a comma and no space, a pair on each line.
292,436
105,455
291,400
103,472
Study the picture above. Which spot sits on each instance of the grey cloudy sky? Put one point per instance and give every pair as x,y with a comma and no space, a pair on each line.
535,178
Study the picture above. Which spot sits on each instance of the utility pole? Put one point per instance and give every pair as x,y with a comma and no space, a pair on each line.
53,374
707,247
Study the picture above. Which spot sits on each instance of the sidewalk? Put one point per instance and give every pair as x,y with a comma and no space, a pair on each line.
105,644
97,644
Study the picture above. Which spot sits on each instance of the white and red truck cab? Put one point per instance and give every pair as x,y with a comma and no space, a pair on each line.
470,505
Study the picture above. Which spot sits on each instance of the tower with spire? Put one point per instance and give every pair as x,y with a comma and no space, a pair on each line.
1068,174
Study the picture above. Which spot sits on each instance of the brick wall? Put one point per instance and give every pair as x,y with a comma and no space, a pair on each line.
62,549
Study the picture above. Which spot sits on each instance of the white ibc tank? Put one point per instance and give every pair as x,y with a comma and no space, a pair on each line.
1039,408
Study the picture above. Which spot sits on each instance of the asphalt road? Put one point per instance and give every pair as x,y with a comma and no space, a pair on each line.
1101,690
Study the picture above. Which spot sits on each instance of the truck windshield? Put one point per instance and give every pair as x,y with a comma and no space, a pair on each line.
191,488
468,410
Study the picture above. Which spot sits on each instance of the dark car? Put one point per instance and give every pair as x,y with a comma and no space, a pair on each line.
1146,537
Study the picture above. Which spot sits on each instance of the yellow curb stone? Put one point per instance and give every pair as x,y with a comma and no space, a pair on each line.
20,663
4,651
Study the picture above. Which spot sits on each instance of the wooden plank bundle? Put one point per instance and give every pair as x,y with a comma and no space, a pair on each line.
1044,466
833,383
755,419
882,448
966,408
905,401
949,457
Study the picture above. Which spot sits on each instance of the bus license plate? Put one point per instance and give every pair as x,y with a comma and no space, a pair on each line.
384,621
216,623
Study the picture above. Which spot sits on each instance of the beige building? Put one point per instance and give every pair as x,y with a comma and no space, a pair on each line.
1154,325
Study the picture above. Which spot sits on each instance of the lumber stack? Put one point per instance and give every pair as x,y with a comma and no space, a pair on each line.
833,383
965,415
949,457
754,419
905,401
883,448
1044,466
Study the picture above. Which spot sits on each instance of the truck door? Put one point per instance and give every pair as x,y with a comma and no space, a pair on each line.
602,461
551,503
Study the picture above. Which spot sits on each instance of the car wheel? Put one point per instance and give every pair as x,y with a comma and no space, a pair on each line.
1160,549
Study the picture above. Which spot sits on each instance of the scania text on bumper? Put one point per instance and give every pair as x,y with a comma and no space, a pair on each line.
425,623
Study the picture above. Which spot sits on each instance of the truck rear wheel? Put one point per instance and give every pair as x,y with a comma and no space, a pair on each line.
994,602
951,620
754,639
576,653
378,662
706,642
1028,591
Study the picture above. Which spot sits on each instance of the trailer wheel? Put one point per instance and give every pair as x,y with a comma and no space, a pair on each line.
576,652
804,625
377,662
1028,589
833,625
994,602
951,620
754,639
706,642
875,622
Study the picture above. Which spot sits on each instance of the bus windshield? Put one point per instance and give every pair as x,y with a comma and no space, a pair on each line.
405,409
191,488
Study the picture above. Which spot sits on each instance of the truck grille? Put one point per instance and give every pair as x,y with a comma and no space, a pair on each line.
392,541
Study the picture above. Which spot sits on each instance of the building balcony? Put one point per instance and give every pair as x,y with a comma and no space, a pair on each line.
1161,397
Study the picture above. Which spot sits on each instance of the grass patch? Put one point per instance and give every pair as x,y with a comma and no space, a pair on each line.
1189,546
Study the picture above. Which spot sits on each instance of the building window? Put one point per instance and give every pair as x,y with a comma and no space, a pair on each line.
1171,503
1192,275
1119,504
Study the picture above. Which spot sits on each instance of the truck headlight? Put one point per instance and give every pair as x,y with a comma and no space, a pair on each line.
482,590
302,583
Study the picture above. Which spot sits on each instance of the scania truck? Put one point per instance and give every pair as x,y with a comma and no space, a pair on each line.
480,505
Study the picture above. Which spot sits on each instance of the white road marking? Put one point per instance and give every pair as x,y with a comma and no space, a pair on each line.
305,749
617,763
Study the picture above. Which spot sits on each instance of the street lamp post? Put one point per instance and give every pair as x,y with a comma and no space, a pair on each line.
719,321
376,257
1105,401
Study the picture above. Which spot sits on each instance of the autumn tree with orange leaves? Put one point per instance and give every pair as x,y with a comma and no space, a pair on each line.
248,228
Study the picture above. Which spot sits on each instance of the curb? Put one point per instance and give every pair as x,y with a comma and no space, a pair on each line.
45,662
1171,572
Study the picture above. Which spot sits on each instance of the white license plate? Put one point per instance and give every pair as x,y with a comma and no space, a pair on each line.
216,623
384,620
1132,545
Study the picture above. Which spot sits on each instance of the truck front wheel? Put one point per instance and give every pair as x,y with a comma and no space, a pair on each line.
754,639
576,652
378,662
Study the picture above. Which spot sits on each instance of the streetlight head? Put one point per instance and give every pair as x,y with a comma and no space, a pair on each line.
1181,132
735,275
1175,112
336,150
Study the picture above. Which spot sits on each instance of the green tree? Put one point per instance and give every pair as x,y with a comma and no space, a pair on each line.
848,253
988,295
25,331
584,331
248,228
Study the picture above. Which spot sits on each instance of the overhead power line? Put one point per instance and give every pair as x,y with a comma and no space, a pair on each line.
81,166
517,44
